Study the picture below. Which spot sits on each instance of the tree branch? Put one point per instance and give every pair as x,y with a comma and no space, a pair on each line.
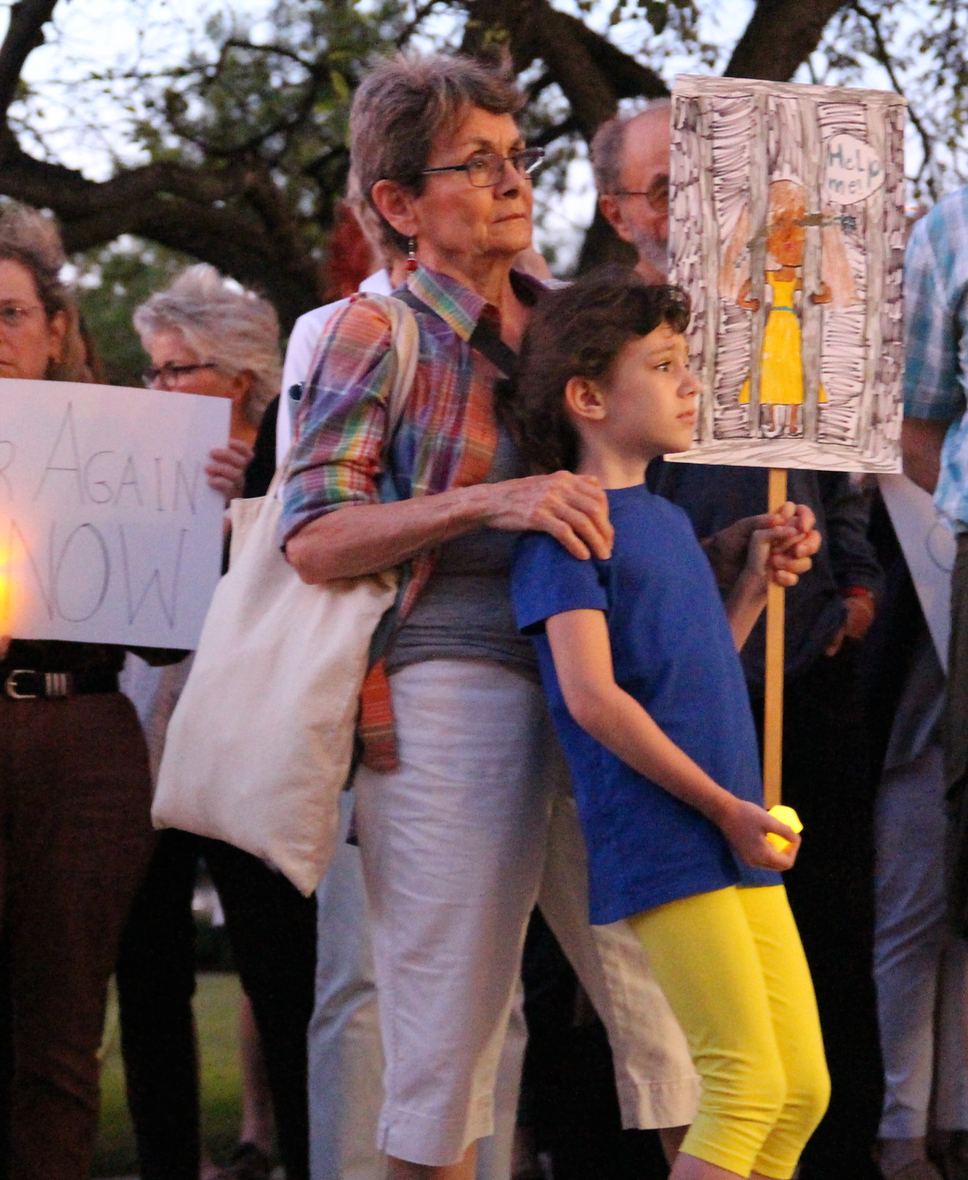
550,134
310,67
629,77
234,217
419,16
592,72
780,36
24,34
884,57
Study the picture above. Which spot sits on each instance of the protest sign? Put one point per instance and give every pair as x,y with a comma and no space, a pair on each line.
109,532
787,229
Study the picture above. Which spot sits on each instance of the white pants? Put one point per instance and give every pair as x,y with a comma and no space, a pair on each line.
345,1054
455,850
919,967
345,1050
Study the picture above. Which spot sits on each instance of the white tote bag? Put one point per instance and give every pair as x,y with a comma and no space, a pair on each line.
260,743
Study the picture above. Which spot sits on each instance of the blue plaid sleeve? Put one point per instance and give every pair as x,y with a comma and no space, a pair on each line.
934,297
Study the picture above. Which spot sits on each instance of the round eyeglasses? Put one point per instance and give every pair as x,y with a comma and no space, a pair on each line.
657,194
485,169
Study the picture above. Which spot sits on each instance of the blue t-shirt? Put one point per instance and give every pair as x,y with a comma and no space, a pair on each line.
673,651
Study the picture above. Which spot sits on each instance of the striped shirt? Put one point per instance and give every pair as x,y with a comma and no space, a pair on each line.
447,435
936,342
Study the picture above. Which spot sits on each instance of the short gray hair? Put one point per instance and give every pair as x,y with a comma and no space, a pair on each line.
404,103
219,321
609,141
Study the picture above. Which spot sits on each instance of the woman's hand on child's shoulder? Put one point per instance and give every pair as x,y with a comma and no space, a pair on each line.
745,825
572,508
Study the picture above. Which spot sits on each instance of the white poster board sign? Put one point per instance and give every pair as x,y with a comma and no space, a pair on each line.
787,229
109,532
929,549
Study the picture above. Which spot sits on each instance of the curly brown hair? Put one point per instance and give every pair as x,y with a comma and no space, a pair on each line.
578,331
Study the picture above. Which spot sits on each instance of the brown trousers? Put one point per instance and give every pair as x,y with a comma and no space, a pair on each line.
75,838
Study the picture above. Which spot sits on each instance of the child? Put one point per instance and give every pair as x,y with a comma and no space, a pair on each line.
639,663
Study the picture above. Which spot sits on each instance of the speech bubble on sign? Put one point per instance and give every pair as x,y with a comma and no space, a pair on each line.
852,170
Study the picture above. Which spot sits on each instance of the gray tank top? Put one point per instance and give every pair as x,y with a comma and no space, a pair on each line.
465,611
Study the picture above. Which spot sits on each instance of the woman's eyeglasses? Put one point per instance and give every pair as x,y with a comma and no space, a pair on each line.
168,374
485,169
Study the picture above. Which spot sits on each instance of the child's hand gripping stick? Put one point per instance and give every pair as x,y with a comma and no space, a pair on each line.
786,815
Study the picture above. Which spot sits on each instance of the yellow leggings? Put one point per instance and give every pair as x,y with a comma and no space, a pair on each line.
732,967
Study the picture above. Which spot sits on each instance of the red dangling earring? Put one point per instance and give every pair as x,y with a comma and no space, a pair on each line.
412,262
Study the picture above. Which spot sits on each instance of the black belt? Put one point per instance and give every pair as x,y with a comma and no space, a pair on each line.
24,684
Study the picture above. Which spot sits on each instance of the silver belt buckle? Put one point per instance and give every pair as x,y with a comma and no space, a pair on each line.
56,684
10,688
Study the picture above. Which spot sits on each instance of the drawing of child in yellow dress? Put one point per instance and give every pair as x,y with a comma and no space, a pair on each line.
781,371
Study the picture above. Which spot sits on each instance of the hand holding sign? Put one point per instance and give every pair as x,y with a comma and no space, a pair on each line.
226,468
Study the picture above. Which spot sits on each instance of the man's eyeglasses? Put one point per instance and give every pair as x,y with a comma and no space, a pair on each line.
168,374
657,194
485,169
13,316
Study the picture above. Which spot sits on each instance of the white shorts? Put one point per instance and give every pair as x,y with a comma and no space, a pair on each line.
457,844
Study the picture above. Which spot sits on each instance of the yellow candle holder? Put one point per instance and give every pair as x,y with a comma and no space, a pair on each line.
786,815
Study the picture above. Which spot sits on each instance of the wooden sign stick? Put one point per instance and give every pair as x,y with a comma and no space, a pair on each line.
773,701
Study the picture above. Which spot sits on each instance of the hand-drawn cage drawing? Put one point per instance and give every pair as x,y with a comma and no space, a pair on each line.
787,229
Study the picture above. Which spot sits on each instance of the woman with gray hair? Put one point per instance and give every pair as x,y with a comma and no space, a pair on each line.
456,815
207,336
464,810
235,330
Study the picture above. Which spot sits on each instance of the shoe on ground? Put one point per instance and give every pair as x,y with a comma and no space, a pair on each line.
247,1162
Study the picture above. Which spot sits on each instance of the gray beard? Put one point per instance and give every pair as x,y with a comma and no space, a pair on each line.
654,252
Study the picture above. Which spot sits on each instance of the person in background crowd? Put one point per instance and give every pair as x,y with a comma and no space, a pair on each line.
935,445
919,965
74,796
206,336
825,772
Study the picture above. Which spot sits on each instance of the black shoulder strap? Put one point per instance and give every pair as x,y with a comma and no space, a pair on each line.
484,338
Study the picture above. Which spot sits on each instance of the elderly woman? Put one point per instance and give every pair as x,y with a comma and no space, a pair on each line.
455,816
204,335
74,793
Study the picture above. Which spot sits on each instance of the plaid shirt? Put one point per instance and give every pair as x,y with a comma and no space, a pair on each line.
936,341
446,439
